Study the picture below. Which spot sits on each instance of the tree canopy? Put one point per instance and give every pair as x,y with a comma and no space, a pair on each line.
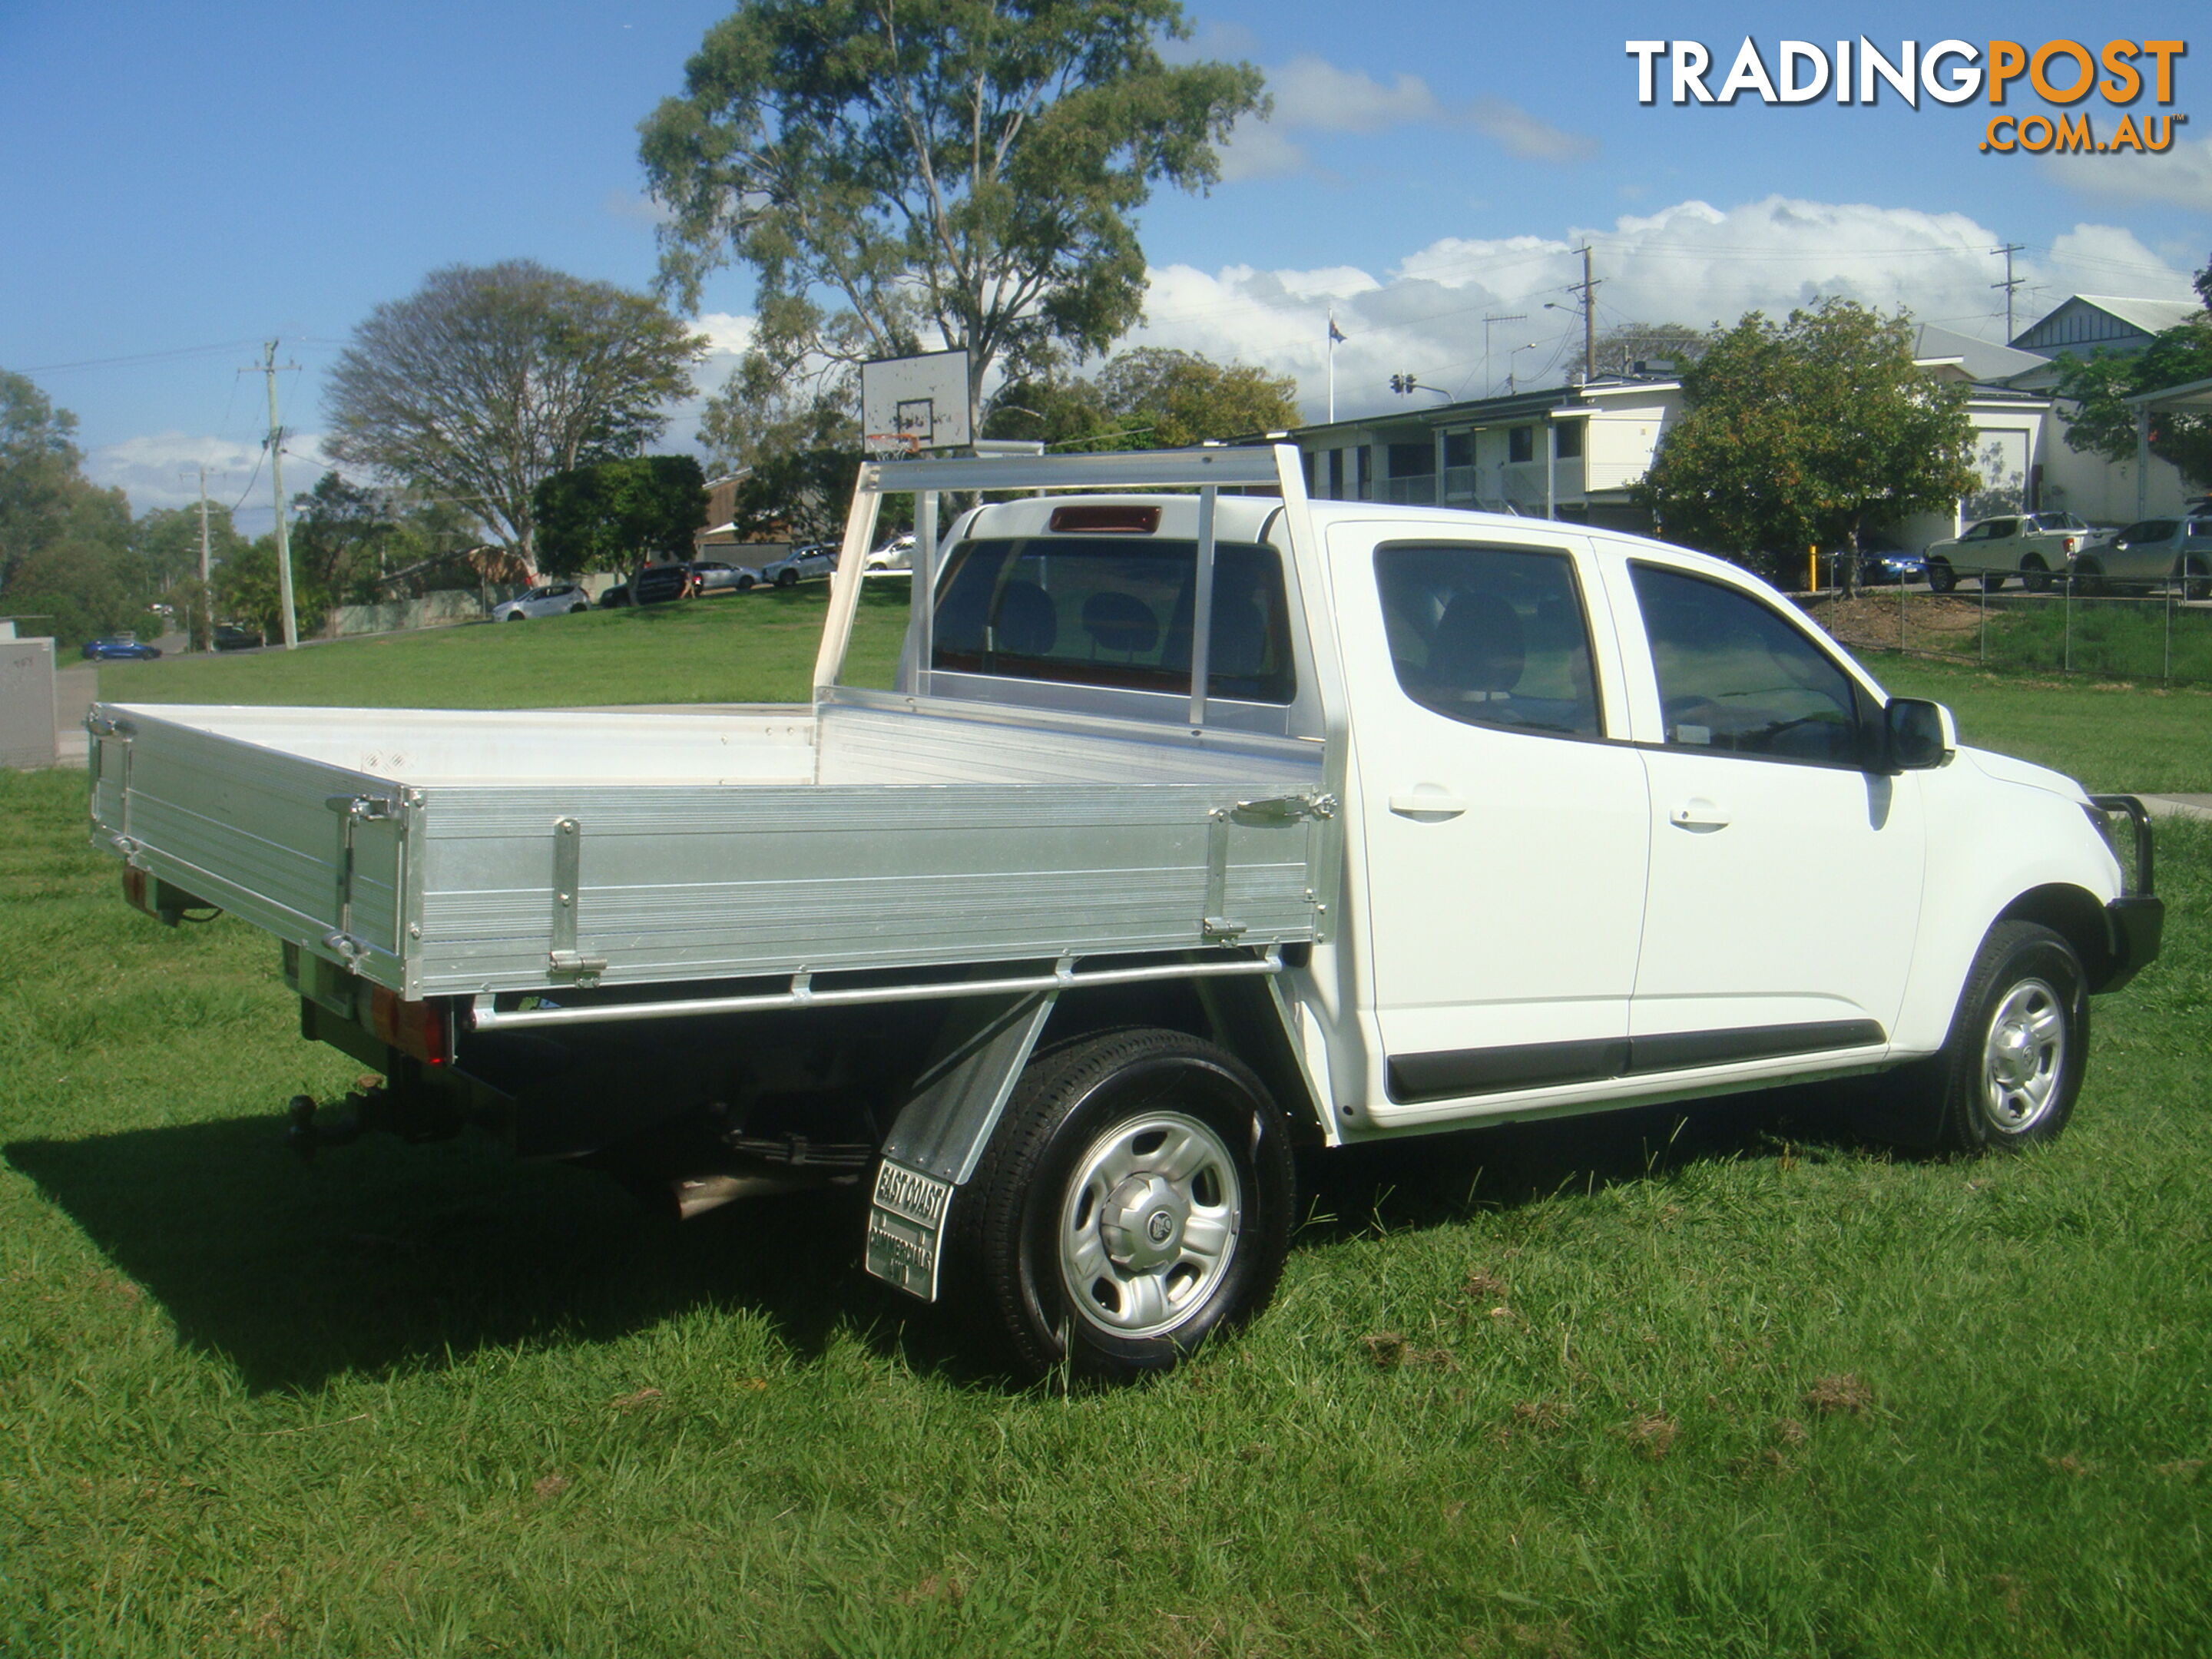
967,170
1807,432
1150,397
1623,346
67,555
490,378
2093,390
614,514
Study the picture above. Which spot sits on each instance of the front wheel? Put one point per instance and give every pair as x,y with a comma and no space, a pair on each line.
2035,576
786,579
2088,579
2009,1073
514,616
1941,579
1135,1199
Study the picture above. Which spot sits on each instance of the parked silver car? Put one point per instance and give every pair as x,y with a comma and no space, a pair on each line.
2148,553
801,564
720,576
558,600
2032,546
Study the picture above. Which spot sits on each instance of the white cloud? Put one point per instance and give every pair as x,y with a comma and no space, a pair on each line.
163,469
728,335
636,206
1691,263
1314,96
2181,177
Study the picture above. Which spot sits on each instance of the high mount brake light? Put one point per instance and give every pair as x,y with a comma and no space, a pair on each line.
1107,518
413,1027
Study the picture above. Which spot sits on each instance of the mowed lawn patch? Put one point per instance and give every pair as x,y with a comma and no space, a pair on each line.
738,647
1697,1382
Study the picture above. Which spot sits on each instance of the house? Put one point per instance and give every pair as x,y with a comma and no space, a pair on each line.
1575,452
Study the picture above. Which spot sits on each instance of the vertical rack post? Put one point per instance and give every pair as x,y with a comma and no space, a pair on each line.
1201,614
924,582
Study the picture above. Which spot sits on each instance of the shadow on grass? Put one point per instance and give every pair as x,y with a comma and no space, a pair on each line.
381,1257
1435,1179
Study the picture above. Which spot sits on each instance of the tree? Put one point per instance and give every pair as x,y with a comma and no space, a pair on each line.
38,474
1807,432
613,515
490,378
963,169
1623,347
2093,393
1150,397
341,536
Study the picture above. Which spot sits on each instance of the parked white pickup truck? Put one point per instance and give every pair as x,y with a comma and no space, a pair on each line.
1199,824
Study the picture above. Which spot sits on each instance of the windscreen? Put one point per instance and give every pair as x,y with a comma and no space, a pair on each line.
1115,611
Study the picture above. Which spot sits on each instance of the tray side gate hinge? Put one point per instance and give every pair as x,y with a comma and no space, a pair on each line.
352,810
565,961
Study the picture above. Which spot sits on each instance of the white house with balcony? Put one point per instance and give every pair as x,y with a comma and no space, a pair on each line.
1574,452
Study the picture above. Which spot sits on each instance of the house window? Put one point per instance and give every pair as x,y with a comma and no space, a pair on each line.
1336,474
1567,439
1459,449
1413,460
1520,443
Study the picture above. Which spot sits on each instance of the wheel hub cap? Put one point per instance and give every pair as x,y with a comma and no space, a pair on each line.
2024,1056
1141,1222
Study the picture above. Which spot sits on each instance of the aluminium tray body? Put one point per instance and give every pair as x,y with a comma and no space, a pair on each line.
450,853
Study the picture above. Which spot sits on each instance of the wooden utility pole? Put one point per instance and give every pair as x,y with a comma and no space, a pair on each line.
2011,284
284,530
1588,288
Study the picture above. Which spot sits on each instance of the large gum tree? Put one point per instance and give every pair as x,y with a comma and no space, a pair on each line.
902,173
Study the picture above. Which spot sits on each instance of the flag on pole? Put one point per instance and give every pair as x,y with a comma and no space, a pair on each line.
1335,334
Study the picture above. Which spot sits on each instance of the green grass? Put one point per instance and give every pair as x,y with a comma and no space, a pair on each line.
747,648
1727,1389
2109,736
2120,639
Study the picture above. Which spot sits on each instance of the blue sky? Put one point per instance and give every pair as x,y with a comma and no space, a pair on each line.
183,183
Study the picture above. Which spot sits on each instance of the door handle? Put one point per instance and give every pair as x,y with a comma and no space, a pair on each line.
1699,813
1420,804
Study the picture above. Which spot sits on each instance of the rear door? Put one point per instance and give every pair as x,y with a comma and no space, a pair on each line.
1504,824
1785,879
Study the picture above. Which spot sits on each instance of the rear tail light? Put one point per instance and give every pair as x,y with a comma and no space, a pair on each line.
413,1027
1121,518
2073,542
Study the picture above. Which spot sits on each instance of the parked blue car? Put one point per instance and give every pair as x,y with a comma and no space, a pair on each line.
119,647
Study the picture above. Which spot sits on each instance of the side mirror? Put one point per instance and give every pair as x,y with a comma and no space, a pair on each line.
1917,735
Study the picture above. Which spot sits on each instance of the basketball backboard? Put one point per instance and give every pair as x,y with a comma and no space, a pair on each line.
915,404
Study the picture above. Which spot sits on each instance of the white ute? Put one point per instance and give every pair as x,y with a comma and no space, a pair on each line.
1199,825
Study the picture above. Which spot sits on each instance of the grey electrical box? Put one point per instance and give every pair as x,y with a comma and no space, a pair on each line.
26,702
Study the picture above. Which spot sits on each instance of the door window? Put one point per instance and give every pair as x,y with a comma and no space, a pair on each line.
1735,678
1490,635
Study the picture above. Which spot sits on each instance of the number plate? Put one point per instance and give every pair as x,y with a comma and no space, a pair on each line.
906,1228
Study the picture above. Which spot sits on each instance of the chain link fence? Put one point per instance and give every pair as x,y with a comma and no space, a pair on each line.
2161,637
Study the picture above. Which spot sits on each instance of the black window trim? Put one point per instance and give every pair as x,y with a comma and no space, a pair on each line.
1589,638
1864,707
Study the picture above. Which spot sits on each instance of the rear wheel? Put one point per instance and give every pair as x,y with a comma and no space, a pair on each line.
1135,1199
2009,1073
2194,575
1941,579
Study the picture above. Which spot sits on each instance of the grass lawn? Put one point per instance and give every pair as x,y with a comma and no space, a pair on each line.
740,647
1638,1385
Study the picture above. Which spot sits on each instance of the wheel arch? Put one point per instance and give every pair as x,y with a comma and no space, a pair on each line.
2077,916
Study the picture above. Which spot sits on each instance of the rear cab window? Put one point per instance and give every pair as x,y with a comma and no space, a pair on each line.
1117,613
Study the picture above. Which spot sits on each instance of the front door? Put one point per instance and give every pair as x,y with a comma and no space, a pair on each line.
1505,832
1785,879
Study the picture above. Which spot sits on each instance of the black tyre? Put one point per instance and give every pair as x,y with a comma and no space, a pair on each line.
2035,575
1941,579
578,609
2088,578
1136,1198
2195,576
786,579
1992,580
2012,1066
744,584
